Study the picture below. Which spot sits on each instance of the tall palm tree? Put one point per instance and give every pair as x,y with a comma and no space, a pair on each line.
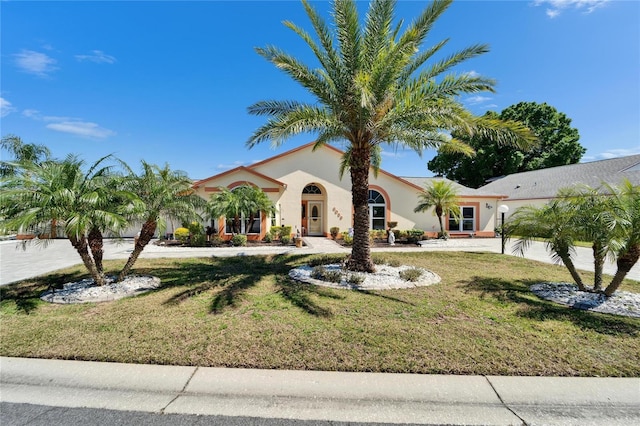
626,228
555,223
373,87
62,190
161,193
443,197
241,202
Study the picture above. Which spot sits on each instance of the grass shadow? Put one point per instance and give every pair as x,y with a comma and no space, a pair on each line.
299,294
534,308
26,294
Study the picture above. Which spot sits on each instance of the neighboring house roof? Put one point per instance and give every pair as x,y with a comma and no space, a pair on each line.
545,183
462,190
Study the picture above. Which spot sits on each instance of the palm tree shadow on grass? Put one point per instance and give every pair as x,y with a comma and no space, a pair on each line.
535,308
235,275
26,294
299,294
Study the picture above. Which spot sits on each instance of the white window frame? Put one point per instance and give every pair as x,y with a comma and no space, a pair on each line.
371,209
463,220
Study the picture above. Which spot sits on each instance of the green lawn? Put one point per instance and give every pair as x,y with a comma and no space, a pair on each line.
246,312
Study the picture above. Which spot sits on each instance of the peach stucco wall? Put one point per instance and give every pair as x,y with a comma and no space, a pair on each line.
284,177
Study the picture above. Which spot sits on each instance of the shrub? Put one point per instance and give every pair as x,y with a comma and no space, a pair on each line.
182,234
355,279
334,231
239,240
268,237
394,262
321,273
285,239
285,232
415,235
196,231
348,239
275,231
216,241
412,274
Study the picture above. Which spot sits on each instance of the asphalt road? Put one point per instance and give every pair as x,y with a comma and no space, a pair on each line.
42,415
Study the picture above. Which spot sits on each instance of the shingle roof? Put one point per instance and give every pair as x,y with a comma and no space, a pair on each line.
462,190
545,183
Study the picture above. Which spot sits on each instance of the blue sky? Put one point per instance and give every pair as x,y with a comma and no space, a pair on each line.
170,82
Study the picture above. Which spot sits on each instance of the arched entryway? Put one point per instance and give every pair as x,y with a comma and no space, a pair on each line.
312,210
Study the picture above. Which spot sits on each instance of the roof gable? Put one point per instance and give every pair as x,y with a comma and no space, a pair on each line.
238,170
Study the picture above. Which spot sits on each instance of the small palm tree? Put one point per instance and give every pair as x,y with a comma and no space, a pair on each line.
625,204
443,197
241,202
161,193
374,88
593,224
82,201
555,223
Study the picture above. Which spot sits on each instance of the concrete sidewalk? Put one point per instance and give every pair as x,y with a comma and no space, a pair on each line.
317,395
19,261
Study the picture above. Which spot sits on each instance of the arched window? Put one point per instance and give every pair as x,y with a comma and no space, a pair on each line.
312,189
377,210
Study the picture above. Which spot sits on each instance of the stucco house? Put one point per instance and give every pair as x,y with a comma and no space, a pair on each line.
538,187
309,196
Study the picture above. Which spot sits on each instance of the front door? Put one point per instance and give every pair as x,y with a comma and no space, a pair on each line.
314,217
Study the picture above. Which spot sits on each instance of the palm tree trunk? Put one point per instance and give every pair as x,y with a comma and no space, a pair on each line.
598,266
81,246
566,259
96,245
360,259
146,234
625,262
441,225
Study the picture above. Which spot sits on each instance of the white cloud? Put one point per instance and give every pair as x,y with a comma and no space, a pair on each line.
75,126
229,166
35,63
611,153
31,113
557,6
97,56
392,154
475,100
5,107
81,128
473,74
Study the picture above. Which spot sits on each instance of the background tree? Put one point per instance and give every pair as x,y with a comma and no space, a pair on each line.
443,197
374,87
21,153
161,193
558,146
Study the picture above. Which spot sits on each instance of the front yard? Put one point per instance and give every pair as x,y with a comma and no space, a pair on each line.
246,312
